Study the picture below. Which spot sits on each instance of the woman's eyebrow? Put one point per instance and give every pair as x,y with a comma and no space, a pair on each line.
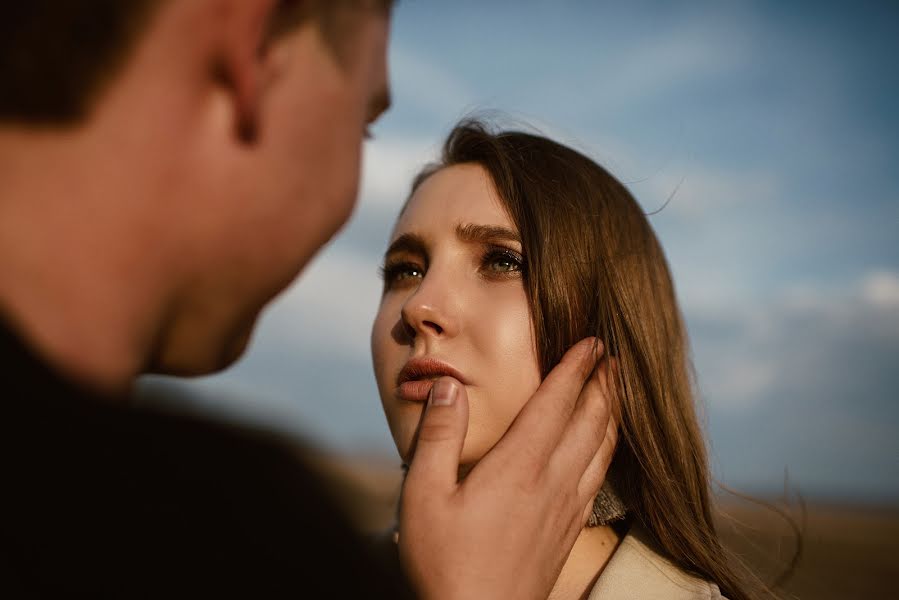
486,233
408,242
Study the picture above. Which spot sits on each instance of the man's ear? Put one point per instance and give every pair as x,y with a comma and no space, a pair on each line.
240,63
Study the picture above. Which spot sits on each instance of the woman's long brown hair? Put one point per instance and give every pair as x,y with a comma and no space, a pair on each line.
593,266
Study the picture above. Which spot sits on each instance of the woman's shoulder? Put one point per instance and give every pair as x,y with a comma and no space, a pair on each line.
637,570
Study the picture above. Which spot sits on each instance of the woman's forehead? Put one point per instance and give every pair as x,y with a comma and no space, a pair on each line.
453,196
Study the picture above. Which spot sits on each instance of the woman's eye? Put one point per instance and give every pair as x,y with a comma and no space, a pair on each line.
409,273
400,273
503,261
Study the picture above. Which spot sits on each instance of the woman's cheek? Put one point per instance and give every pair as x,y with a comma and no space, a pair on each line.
482,434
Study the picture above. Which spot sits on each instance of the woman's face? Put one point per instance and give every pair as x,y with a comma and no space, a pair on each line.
454,304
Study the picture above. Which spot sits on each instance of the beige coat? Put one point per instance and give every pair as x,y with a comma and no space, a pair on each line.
637,572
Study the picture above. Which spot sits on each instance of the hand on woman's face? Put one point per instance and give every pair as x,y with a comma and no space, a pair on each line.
454,304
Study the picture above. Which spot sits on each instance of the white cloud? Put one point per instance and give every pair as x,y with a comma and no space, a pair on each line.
389,166
678,58
332,306
696,191
745,350
881,289
738,382
427,85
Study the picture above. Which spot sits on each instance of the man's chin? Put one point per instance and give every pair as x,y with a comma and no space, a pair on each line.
235,350
199,362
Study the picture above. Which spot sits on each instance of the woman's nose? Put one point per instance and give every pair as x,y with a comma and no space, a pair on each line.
431,310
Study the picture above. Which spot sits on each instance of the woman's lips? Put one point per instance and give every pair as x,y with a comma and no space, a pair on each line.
417,377
416,390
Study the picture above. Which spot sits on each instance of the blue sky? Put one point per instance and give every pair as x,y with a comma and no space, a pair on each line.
775,129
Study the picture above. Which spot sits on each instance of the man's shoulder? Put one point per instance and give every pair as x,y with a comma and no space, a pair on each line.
57,424
112,500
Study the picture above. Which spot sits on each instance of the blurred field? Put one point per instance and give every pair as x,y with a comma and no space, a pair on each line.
847,552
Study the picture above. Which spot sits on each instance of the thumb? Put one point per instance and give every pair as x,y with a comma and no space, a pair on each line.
441,433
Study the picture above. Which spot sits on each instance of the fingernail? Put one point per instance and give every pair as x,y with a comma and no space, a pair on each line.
443,393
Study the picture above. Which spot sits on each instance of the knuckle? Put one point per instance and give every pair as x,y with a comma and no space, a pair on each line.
612,433
569,498
595,420
604,454
602,466
597,406
578,361
592,482
599,421
585,360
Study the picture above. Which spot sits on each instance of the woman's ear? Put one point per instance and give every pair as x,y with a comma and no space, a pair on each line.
241,62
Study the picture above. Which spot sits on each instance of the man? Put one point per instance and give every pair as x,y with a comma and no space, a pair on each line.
166,168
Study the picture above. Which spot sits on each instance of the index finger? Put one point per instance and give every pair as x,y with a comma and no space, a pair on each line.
541,422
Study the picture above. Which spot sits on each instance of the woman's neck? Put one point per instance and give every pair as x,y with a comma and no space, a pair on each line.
592,551
589,556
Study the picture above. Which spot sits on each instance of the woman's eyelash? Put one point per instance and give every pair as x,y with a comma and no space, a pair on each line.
392,271
509,263
494,254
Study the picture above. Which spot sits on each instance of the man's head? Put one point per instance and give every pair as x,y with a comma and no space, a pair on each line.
215,144
57,56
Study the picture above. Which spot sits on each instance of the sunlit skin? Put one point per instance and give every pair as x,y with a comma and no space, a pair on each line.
211,170
234,178
278,206
453,292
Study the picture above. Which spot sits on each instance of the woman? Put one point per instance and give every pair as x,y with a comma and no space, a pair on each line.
510,250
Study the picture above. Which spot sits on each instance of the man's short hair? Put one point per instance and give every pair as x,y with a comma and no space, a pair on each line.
57,55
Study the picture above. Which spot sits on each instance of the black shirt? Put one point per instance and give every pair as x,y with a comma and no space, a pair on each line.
102,499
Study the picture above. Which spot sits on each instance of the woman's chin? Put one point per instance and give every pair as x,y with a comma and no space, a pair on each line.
467,460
